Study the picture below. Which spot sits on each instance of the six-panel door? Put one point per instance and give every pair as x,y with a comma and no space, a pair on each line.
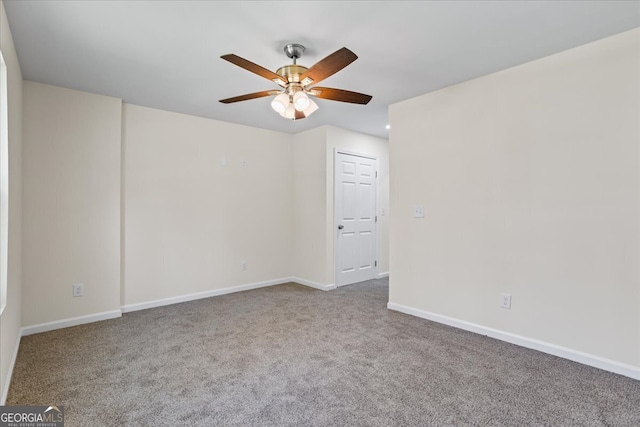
355,205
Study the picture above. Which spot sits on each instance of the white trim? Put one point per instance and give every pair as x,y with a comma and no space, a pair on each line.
7,383
4,183
556,350
199,295
381,275
313,284
353,153
74,321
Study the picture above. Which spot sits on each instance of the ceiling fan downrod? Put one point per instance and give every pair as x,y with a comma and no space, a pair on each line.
291,72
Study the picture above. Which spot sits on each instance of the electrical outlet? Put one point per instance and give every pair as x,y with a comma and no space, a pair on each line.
243,266
243,163
505,301
78,290
418,211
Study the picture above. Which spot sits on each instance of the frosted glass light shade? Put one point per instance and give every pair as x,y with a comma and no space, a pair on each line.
311,108
301,101
290,112
280,103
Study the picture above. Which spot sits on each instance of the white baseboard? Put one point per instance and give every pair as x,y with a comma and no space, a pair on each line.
381,275
7,381
313,284
556,350
199,295
65,323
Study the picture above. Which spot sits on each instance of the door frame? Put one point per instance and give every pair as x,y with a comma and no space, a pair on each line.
334,228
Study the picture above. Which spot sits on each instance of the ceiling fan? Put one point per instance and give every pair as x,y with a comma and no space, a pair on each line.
292,100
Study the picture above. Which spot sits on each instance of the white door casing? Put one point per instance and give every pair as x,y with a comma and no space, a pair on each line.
355,217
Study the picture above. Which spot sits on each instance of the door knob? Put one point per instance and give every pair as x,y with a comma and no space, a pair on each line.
340,227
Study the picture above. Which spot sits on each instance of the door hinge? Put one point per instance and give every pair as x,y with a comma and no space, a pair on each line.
375,263
376,218
376,174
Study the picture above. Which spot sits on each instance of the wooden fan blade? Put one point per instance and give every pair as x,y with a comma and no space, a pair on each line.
254,68
329,66
340,95
249,96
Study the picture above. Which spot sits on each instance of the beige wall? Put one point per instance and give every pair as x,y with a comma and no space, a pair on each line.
71,203
189,218
10,320
530,182
313,177
309,260
191,213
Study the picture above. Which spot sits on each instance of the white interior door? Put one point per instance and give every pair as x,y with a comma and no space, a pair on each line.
355,218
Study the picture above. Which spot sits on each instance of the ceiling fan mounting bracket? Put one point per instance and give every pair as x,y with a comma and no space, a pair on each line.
294,51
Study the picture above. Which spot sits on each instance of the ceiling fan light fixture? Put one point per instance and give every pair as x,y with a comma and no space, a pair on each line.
301,101
280,103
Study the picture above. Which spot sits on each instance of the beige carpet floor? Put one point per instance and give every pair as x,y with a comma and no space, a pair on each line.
289,355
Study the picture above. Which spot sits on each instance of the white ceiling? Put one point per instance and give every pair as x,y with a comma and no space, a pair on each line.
166,54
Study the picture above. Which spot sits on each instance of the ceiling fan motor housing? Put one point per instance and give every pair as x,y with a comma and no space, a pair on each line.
291,72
